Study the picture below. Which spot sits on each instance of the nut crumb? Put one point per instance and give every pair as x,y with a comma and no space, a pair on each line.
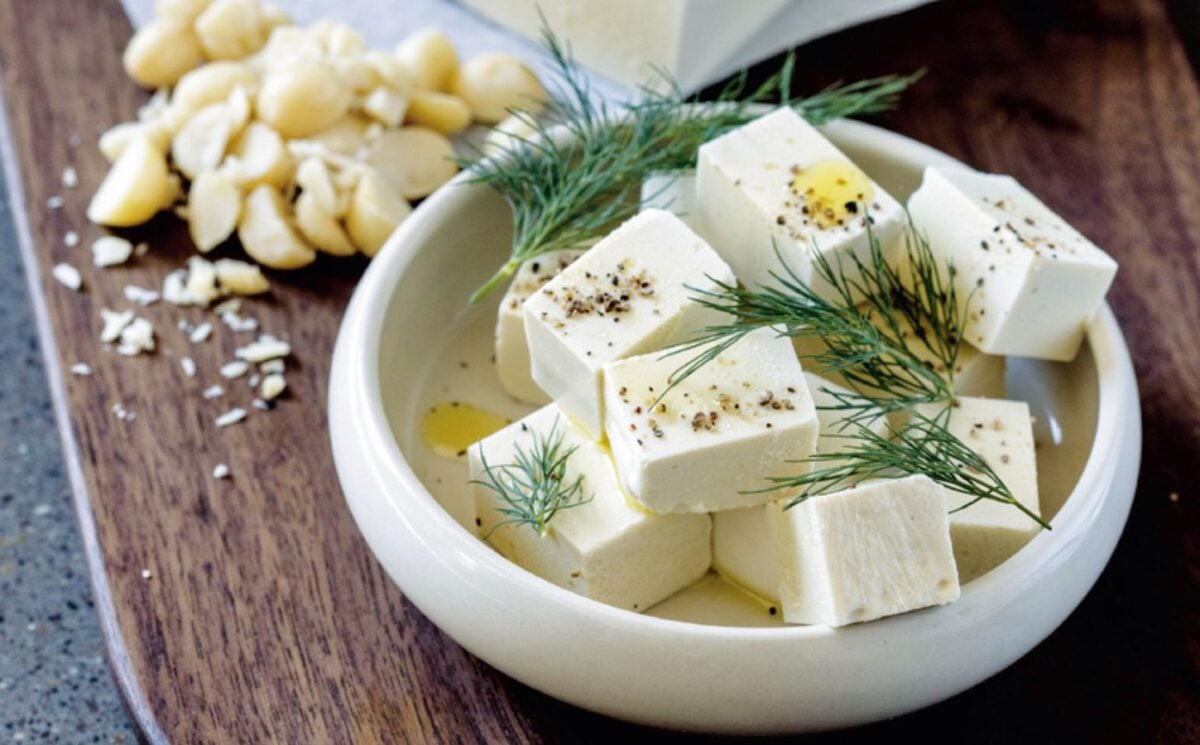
110,250
235,369
200,333
67,276
114,323
272,386
136,337
266,347
140,295
233,416
125,415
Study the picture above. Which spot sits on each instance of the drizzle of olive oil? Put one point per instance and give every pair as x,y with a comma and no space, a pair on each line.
834,192
449,428
630,500
635,505
751,596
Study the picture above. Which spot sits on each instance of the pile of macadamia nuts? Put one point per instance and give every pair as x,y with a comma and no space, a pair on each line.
299,139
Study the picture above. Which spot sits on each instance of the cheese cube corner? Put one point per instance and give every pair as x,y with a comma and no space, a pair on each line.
629,294
988,532
1032,281
607,548
512,349
777,183
742,550
878,549
713,439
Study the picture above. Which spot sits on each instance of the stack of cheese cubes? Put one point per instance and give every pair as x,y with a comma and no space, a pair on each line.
677,480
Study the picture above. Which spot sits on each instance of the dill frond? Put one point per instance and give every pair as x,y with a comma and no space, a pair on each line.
534,487
567,189
924,446
877,358
862,322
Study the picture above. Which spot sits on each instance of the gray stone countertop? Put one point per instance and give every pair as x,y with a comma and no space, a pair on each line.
55,684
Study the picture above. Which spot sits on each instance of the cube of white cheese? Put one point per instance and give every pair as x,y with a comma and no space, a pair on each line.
778,184
512,350
606,549
742,551
629,294
1033,282
875,550
713,440
989,532
673,192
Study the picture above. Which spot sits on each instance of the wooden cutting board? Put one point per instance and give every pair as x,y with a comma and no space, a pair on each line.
264,617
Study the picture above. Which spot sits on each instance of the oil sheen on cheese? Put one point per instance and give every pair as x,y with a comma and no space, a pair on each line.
449,428
833,191
630,500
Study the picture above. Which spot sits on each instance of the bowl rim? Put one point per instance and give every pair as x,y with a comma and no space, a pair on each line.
993,589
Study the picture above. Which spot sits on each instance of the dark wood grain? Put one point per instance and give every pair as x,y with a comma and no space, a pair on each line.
265,617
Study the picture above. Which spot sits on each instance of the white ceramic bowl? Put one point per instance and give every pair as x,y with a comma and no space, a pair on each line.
408,322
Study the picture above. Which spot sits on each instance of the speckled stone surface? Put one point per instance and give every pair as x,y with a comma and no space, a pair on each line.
55,685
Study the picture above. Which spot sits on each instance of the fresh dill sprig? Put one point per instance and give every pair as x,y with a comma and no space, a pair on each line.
534,487
924,446
871,320
567,189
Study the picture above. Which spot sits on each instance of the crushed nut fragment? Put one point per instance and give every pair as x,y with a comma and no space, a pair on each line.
140,295
266,347
67,276
111,250
114,323
233,416
235,369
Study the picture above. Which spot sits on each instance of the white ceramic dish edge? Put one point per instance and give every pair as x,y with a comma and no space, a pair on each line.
711,678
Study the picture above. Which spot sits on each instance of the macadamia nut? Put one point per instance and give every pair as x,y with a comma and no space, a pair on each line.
231,29
136,187
303,99
374,213
429,58
494,83
161,52
267,234
441,111
416,160
214,205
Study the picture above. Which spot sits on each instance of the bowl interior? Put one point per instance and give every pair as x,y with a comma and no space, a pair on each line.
436,348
